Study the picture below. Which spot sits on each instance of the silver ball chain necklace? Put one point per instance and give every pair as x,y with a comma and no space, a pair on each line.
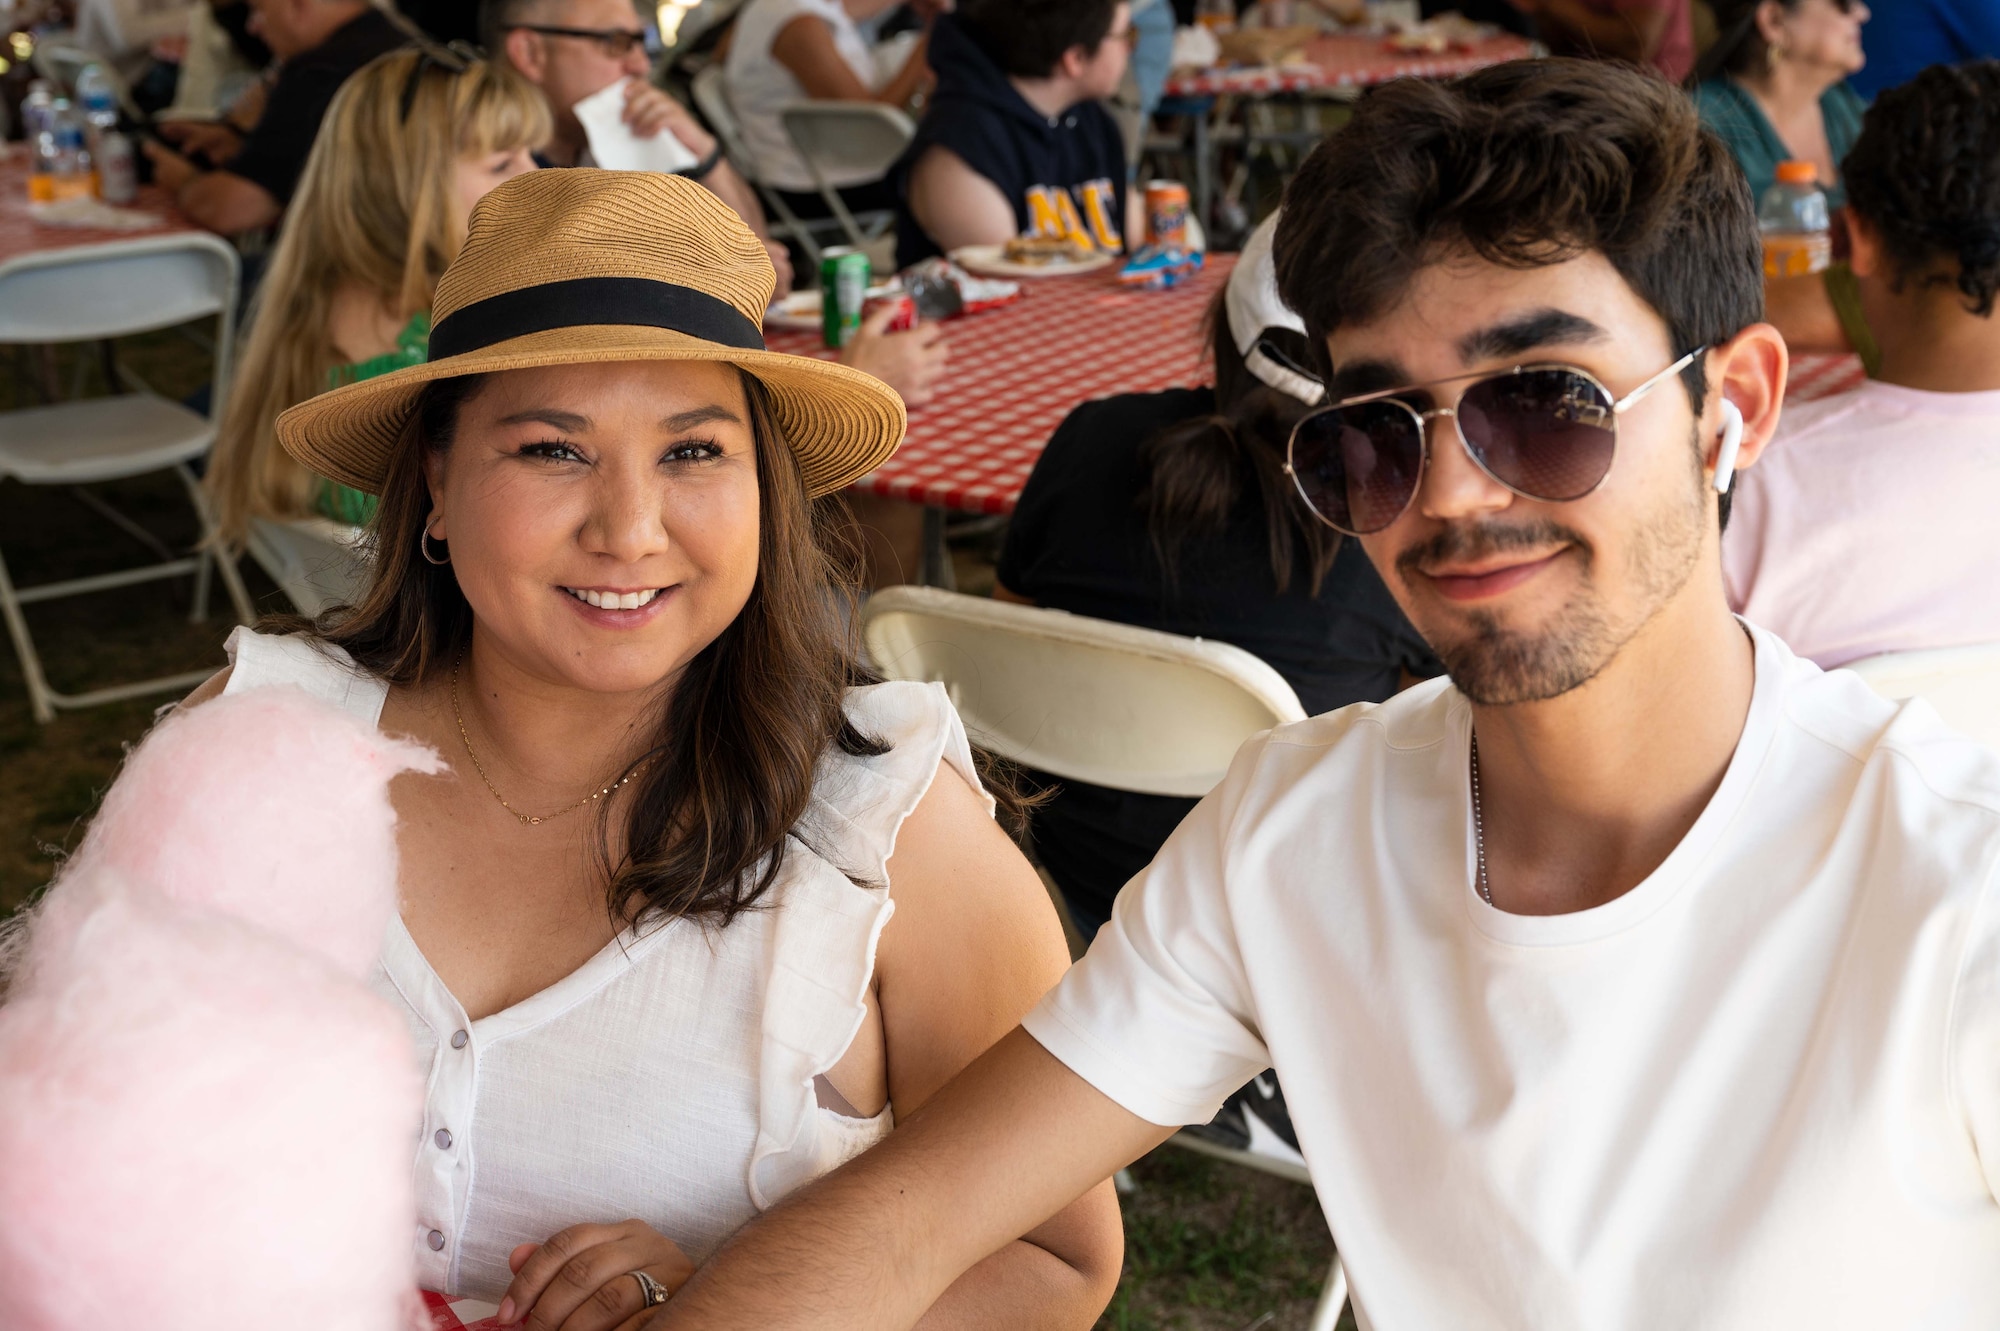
1479,827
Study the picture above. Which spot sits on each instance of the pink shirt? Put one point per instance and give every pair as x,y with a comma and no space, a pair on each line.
1872,524
1675,58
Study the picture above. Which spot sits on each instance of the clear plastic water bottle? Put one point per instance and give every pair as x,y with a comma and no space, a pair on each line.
37,109
100,101
71,172
117,172
1798,236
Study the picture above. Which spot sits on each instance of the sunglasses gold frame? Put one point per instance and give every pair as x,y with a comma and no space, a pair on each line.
1613,407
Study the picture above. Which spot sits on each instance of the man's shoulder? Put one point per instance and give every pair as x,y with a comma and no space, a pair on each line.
348,47
1349,745
1914,773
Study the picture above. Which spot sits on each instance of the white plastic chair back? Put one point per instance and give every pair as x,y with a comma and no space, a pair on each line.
711,98
1117,706
1962,683
91,292
316,562
87,292
848,139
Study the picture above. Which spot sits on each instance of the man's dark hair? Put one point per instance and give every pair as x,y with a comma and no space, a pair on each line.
496,16
1526,164
1926,173
1027,38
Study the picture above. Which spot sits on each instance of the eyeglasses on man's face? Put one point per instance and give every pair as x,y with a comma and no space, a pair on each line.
616,43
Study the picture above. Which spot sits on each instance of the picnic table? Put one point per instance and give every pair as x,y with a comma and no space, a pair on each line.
1018,370
1334,65
1816,376
21,234
1338,61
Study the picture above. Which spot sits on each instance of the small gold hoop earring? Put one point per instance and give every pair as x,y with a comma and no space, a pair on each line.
1772,55
424,545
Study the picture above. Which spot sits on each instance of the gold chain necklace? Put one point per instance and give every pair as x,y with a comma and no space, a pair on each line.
528,819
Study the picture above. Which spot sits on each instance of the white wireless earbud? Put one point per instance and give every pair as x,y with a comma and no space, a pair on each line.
1732,439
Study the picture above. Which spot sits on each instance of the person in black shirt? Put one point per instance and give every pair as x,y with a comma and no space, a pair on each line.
320,43
1015,142
1172,511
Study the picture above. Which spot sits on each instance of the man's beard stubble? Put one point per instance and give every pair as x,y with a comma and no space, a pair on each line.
1496,666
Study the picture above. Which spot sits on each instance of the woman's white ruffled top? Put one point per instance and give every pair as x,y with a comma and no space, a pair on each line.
670,1078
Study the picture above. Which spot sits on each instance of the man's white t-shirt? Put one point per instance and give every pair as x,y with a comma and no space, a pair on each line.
1760,1090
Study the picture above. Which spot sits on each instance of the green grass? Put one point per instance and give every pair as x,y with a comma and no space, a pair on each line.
1209,1246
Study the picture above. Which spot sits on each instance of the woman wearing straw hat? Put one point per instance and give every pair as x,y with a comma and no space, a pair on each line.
646,946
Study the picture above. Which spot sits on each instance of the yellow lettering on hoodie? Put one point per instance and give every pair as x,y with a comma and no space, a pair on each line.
1044,219
1100,203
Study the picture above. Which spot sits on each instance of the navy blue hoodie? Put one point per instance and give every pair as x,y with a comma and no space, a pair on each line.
1064,175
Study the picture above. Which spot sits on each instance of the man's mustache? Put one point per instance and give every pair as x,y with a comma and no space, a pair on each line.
1469,542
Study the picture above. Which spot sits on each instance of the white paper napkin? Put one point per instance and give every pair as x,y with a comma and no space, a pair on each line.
615,147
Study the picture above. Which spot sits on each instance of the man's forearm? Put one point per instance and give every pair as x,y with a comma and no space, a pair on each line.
1008,1148
227,204
1027,1287
836,1255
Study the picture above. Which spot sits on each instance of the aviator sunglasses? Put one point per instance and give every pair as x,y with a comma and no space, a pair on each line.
1546,432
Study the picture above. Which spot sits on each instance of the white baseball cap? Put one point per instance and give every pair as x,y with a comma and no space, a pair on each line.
1253,305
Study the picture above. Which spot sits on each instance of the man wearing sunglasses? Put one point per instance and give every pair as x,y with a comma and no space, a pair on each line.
574,49
1638,976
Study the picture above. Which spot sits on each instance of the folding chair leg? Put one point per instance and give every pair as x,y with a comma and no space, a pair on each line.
203,575
1332,1298
40,700
225,562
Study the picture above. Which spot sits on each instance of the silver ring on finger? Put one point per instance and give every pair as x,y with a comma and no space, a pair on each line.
651,1290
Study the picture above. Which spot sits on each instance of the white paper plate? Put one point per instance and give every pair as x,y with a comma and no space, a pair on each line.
800,310
992,261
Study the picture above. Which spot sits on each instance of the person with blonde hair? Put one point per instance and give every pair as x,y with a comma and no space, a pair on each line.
409,145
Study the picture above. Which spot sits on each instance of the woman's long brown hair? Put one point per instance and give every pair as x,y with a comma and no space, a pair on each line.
736,746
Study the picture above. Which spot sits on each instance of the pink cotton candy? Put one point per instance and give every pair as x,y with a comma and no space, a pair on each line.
206,1120
293,799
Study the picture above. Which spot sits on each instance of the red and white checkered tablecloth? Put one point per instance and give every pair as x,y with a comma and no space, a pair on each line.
20,234
1823,376
1343,61
1015,372
448,1314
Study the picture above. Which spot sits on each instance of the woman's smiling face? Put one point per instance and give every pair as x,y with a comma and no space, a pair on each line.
602,519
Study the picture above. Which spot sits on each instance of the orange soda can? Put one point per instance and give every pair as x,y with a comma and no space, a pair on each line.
1167,213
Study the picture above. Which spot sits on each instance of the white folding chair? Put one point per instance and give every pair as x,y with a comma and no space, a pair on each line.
1962,683
854,140
317,562
96,292
1117,706
710,91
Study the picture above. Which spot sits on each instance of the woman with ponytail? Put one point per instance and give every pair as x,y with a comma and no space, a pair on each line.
1172,511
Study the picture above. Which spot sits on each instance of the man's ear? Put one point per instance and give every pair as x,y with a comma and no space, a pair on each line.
1749,372
526,53
1074,61
1864,245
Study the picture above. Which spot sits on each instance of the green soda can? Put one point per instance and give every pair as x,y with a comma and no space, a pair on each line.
843,286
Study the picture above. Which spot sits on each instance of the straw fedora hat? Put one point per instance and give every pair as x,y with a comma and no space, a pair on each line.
571,267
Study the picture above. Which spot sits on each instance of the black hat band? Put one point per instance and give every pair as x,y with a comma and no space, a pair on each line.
583,301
